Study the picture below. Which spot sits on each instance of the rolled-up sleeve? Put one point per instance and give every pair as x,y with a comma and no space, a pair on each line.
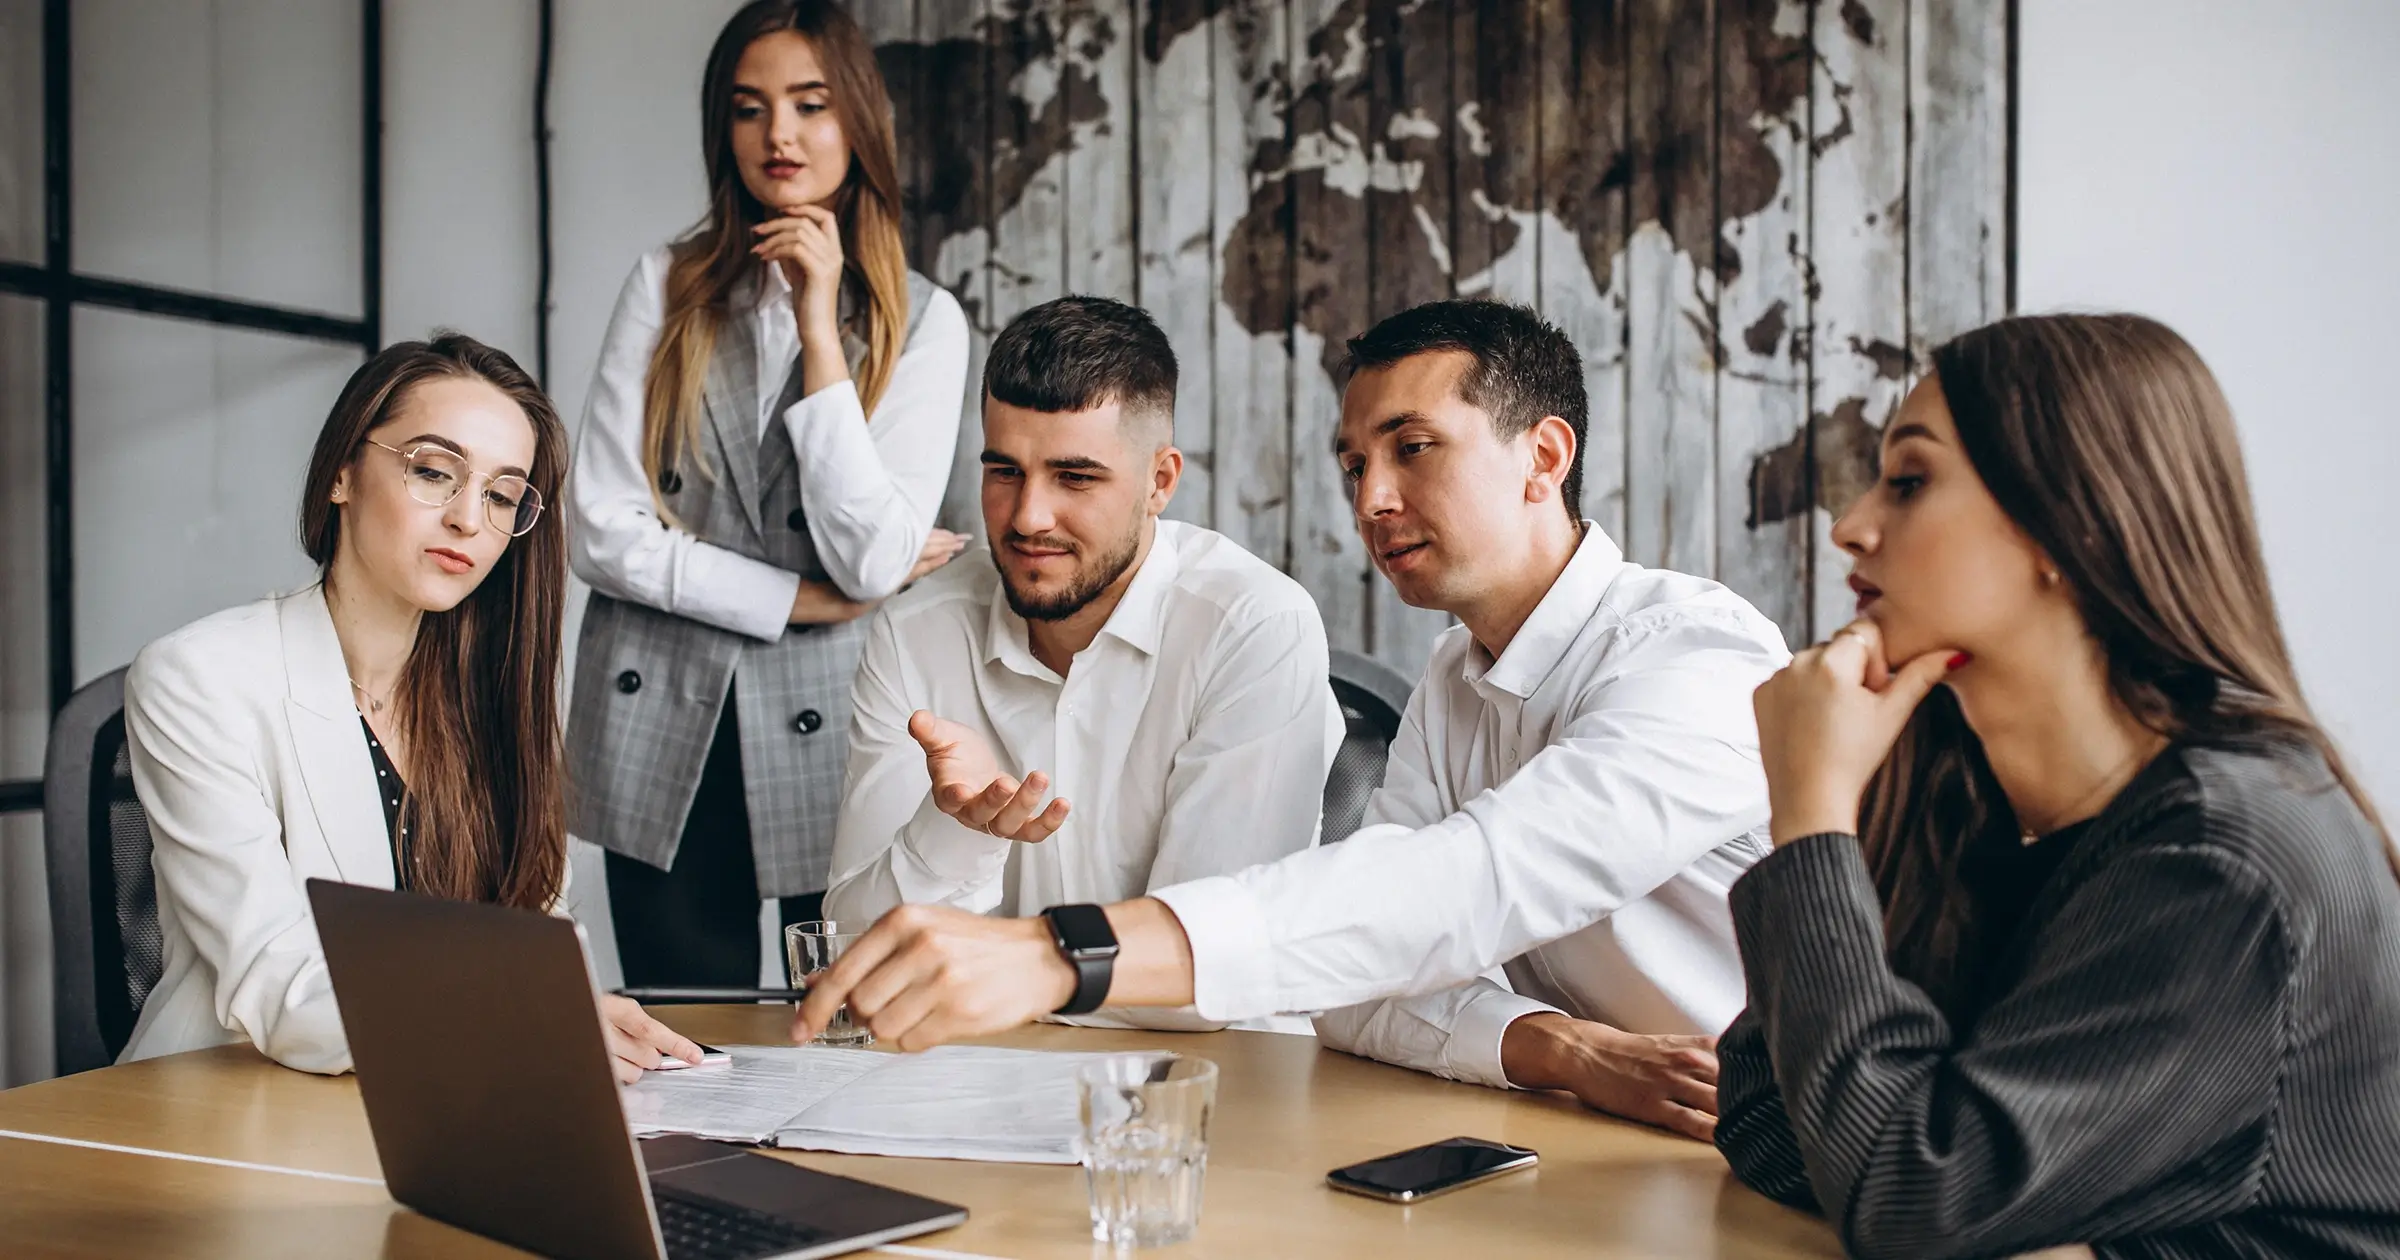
872,486
617,540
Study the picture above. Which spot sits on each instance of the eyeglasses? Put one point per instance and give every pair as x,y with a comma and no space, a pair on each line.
436,474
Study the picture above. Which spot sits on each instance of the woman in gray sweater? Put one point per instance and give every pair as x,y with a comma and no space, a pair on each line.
2077,930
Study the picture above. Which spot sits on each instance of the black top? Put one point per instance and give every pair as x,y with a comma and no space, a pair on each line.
389,789
2189,1045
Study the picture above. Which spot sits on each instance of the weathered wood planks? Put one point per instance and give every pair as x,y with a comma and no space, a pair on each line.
1753,217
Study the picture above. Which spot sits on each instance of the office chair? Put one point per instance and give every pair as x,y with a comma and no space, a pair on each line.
104,936
1373,695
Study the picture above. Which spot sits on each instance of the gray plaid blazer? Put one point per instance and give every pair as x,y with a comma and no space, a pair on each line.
650,686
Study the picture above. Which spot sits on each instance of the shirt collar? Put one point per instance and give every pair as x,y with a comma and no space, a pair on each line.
772,292
1542,642
1138,621
1004,638
1141,616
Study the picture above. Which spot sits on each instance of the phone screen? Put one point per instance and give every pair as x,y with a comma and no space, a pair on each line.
1426,1169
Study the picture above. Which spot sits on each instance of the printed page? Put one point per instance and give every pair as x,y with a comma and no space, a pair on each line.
956,1102
748,1099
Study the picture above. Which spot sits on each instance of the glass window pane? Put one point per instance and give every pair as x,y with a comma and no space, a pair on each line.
190,445
217,148
21,130
24,663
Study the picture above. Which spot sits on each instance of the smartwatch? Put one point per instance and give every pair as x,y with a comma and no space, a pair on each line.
1089,945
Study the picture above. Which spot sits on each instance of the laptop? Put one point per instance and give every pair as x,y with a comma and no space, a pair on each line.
478,1046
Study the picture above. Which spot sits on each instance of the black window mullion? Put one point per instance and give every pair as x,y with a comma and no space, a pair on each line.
58,400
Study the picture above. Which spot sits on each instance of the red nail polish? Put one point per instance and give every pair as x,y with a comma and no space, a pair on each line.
1960,659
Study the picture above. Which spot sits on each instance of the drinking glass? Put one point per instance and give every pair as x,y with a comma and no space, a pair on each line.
1145,1145
811,947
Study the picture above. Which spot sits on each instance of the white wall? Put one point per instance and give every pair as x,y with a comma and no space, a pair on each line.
460,230
2234,169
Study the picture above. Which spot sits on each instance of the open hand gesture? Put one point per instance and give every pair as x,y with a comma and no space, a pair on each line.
968,784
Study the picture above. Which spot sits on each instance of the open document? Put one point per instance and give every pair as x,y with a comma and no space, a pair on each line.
956,1102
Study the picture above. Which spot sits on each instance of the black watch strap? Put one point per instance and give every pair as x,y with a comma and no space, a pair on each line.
1091,985
1084,940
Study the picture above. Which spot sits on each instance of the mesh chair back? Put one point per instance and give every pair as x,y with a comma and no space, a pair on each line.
135,894
105,940
1373,697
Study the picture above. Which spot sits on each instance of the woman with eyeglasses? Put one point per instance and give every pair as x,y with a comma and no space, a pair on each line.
393,724
2077,931
769,434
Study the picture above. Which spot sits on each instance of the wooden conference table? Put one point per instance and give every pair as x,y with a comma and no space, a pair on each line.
279,1163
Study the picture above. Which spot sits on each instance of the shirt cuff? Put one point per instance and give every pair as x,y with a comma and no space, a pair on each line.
829,432
947,850
728,589
1233,958
1473,1051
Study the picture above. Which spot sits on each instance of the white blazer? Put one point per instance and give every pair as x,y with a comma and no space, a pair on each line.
250,760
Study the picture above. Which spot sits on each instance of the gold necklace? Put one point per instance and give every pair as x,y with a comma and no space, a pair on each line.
2030,836
373,705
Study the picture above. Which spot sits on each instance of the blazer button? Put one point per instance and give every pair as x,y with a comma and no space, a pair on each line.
669,481
796,521
629,682
808,721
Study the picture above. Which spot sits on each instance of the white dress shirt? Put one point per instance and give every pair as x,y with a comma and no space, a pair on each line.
872,486
1191,738
1575,810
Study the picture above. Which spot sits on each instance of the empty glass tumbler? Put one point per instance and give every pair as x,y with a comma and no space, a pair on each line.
811,947
1145,1145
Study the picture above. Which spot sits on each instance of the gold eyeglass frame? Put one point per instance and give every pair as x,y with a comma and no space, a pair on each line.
531,502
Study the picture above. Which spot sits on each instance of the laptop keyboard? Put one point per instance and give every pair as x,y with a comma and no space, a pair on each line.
709,1229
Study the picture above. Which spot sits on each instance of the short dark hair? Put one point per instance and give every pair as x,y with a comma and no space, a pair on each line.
1079,352
1524,368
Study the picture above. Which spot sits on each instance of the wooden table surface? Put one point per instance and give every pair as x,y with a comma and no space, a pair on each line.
1287,1112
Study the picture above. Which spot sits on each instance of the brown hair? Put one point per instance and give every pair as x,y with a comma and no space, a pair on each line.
2107,440
704,267
478,698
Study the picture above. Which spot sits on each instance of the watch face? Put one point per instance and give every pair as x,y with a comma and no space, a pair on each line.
1083,929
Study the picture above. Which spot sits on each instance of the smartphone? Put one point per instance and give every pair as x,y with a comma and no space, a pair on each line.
1425,1171
710,1056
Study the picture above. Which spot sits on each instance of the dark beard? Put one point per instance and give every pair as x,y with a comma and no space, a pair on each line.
1086,588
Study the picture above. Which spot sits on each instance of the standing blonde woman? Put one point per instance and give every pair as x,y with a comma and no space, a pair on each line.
767,440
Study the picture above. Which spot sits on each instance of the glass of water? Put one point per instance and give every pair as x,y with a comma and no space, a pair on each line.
1145,1145
811,947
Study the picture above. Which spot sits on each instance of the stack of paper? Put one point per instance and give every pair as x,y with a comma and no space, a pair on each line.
957,1102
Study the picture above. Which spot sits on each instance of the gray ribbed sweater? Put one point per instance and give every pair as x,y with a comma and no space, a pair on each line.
2189,1046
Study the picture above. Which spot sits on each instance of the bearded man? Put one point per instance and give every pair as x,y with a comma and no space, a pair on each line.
1118,702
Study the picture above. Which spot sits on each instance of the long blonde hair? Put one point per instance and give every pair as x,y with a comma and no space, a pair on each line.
705,266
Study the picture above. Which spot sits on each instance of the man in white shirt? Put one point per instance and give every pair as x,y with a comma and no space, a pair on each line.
1169,684
1575,786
